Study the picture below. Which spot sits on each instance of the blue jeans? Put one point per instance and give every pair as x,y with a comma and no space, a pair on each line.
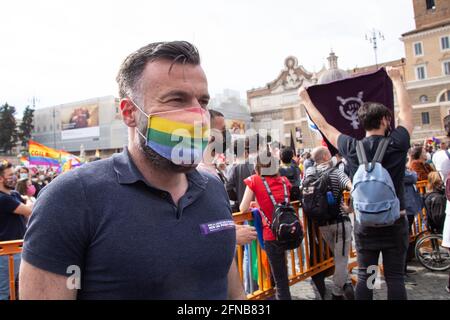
4,275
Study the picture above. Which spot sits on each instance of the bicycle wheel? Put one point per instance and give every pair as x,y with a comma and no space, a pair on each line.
431,254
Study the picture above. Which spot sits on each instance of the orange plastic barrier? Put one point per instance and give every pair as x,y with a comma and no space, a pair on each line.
10,248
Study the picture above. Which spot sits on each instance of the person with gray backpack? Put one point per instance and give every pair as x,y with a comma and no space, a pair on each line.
322,202
377,168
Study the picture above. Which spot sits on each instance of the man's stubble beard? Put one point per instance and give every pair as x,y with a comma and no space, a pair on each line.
9,187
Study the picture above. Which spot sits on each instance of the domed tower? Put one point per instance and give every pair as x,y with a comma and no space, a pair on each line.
333,73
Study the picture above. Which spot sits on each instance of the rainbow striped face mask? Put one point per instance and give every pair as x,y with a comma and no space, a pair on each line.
180,136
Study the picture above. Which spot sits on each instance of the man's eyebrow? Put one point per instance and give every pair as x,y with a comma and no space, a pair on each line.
174,93
181,93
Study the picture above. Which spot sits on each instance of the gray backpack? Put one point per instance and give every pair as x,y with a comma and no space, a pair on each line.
374,198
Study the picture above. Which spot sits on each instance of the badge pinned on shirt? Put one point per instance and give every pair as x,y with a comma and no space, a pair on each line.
216,226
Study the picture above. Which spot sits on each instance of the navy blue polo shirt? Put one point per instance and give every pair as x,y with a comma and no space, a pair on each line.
128,238
12,225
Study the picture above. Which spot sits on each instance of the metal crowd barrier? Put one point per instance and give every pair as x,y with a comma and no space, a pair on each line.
311,258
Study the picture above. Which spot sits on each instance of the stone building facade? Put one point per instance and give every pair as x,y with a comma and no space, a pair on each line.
427,50
276,107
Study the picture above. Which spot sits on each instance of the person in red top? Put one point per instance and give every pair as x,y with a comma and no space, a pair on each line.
267,166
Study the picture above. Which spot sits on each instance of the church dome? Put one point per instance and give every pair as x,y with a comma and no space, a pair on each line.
333,73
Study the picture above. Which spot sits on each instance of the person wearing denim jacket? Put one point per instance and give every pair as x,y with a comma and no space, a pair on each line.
413,203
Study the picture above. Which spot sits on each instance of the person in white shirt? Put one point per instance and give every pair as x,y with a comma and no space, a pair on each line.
441,161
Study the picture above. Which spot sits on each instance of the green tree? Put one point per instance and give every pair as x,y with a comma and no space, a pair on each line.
8,128
26,126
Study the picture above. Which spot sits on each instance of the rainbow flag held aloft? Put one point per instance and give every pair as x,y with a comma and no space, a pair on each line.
43,156
69,161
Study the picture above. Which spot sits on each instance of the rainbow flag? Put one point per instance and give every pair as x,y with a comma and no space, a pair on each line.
24,161
42,155
69,161
184,134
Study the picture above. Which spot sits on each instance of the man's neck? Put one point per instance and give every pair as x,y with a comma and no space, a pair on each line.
324,164
162,179
377,132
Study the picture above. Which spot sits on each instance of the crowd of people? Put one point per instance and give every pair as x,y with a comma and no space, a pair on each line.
171,221
19,188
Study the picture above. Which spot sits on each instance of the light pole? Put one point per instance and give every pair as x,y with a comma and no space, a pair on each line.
374,37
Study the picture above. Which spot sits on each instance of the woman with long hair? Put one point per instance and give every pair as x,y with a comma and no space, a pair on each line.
26,190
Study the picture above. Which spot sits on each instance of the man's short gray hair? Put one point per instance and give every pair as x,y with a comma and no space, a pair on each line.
319,154
130,72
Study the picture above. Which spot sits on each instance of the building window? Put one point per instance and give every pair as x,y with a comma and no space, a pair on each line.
431,5
44,129
445,43
423,99
445,96
421,73
418,51
446,68
425,118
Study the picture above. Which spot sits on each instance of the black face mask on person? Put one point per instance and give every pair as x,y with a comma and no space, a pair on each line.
220,141
388,130
10,183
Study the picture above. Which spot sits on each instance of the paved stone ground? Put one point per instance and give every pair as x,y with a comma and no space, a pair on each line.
424,285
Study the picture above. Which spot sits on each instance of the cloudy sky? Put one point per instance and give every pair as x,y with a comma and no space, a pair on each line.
64,51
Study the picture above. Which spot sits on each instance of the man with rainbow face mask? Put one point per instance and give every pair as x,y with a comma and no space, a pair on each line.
143,224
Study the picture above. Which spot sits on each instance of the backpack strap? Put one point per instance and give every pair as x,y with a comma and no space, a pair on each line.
381,150
326,174
286,198
272,198
266,185
329,170
265,218
361,153
379,154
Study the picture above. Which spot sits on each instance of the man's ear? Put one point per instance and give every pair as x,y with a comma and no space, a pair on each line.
127,109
